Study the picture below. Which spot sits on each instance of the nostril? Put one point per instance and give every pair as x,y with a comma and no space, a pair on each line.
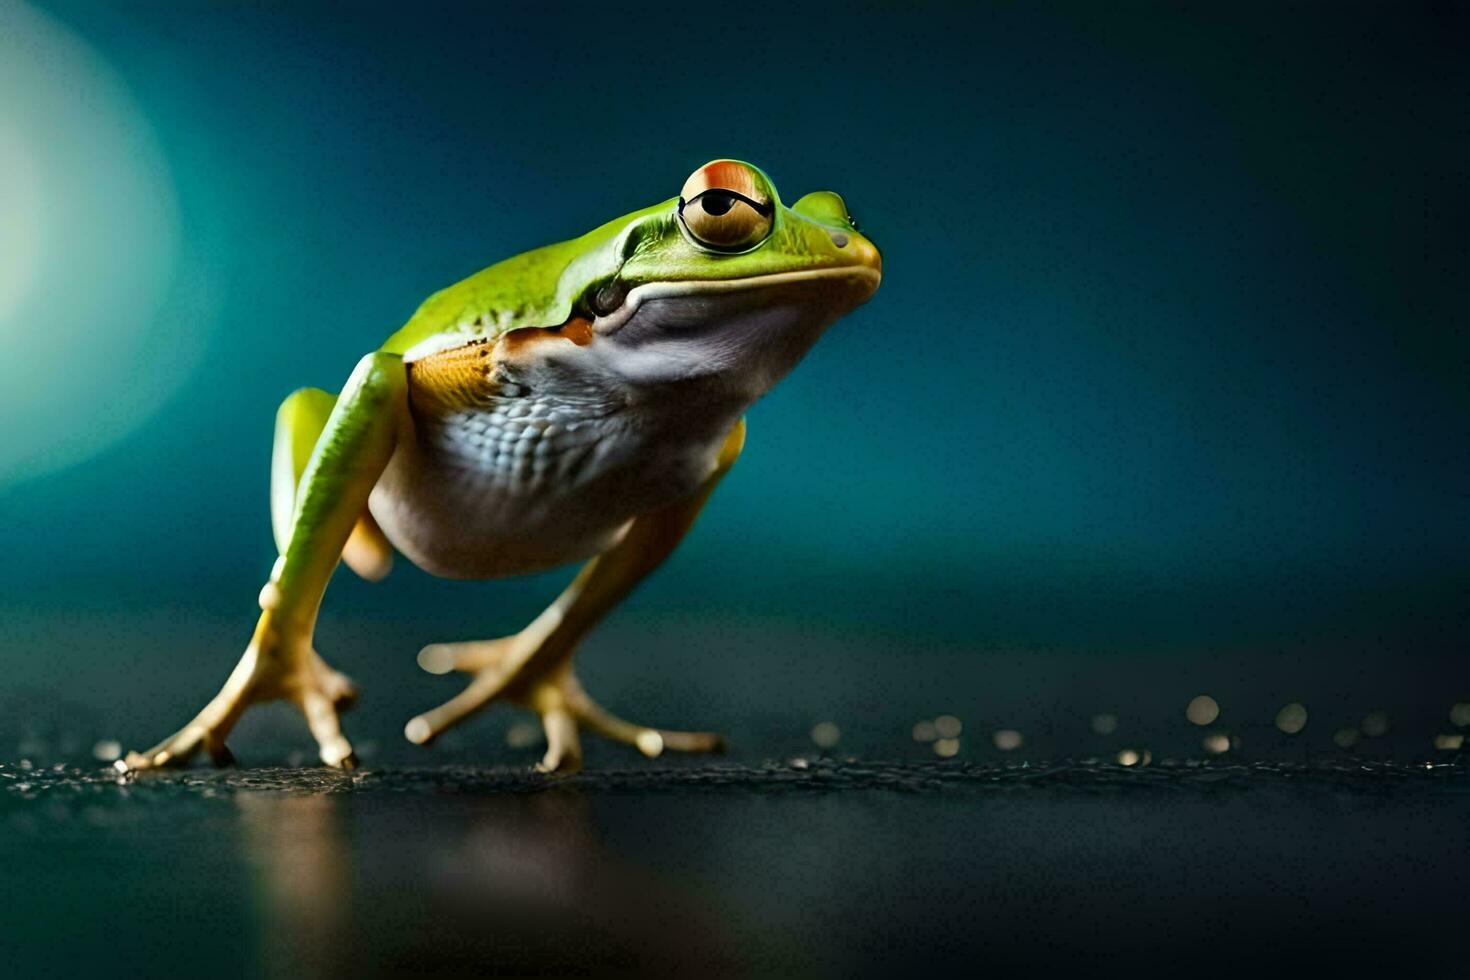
839,238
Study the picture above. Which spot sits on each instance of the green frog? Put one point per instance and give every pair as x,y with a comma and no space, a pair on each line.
578,402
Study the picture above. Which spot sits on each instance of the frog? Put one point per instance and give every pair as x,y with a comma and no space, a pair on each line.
576,403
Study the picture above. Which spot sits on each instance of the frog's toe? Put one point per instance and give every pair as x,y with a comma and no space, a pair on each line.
470,656
297,674
326,728
489,683
322,694
208,729
652,742
179,748
338,688
490,663
552,692
563,746
565,708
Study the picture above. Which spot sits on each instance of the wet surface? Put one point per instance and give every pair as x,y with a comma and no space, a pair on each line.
803,866
60,782
948,844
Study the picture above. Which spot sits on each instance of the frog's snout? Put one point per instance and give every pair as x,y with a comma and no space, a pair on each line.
860,251
827,211
857,253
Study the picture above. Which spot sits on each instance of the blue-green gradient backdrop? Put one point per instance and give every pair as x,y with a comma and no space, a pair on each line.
1169,362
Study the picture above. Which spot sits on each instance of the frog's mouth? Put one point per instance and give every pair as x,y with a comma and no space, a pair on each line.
861,280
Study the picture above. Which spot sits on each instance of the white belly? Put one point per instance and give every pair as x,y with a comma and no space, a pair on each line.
528,483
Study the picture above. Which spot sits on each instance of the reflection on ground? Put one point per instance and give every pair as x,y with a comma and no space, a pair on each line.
808,867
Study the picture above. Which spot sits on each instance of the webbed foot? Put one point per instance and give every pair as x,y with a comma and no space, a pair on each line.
270,669
506,669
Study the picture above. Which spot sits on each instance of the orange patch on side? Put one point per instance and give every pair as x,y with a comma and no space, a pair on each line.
517,342
465,376
452,378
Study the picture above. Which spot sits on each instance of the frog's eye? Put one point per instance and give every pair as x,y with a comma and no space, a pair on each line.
724,206
725,221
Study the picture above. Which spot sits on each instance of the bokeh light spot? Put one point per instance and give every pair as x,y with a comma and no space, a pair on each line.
1292,718
522,735
1007,739
1202,710
947,748
1375,724
826,734
1217,743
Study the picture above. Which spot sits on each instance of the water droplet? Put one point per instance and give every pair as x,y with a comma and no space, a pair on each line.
1375,723
1202,710
1007,739
522,735
1292,718
826,734
948,726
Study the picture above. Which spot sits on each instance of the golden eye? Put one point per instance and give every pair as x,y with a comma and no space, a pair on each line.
724,220
724,206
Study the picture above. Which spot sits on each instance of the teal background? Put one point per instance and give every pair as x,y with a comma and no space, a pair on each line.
1163,394
1164,388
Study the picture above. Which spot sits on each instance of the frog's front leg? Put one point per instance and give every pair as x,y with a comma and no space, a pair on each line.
356,442
533,667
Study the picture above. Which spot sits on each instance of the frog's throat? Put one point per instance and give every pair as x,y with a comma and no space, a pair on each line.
638,295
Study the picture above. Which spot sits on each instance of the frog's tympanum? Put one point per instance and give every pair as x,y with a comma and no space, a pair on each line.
579,401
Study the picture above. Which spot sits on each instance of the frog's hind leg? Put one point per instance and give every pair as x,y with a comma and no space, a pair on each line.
299,424
352,446
533,667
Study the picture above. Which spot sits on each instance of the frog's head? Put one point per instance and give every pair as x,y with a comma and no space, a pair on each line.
724,279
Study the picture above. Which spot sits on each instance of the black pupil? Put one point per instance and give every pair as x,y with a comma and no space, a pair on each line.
717,202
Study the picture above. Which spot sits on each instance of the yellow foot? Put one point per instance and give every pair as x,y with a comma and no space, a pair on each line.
506,669
267,671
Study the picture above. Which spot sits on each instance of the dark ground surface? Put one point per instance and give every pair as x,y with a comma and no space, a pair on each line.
1287,853
806,867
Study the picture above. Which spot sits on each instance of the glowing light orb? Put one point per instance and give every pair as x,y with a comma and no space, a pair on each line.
88,245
